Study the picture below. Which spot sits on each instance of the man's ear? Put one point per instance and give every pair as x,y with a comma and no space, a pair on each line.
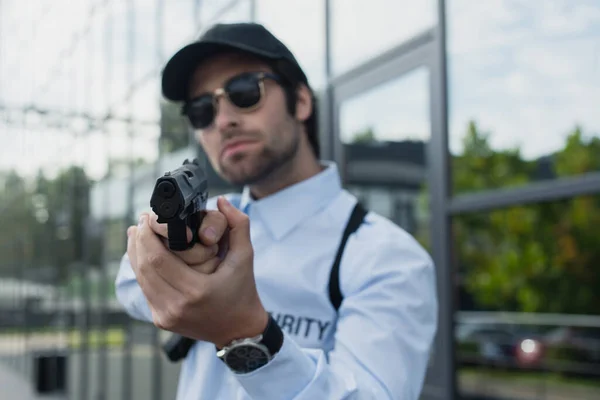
304,103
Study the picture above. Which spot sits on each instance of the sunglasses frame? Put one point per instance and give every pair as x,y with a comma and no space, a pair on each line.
222,92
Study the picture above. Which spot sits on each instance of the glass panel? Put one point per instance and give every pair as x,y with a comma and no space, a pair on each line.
385,133
98,68
117,68
216,10
179,25
307,45
528,324
144,35
176,132
524,96
362,30
61,236
226,12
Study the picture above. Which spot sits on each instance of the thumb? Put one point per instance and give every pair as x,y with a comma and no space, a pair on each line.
238,223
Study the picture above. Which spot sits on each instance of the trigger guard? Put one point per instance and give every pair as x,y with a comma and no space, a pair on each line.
178,236
195,221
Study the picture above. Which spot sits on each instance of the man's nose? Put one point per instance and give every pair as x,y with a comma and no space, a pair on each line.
226,116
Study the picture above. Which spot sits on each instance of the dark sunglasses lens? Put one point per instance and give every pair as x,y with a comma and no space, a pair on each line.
244,92
201,112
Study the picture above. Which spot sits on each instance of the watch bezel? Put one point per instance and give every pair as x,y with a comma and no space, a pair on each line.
227,352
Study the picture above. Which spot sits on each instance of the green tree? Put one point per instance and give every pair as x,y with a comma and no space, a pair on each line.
578,157
365,136
480,167
536,258
175,132
43,225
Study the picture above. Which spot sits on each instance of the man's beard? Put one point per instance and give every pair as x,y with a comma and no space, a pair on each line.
266,164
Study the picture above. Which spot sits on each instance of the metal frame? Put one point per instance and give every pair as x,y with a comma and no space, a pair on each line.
555,189
425,50
408,57
443,369
413,44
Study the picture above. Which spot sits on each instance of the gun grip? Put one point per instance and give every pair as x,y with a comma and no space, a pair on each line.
177,231
177,347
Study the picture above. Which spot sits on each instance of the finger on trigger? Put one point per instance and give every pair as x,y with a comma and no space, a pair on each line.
162,229
159,229
213,227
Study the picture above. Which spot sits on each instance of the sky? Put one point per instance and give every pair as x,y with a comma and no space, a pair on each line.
527,72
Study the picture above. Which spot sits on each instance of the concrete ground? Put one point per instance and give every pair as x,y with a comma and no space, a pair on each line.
89,383
15,386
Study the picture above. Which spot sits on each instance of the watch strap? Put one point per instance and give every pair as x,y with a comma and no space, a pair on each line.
272,336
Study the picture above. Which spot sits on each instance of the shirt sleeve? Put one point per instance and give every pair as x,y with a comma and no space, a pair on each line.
129,293
385,329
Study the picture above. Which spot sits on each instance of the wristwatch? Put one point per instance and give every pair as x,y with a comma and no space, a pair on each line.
246,355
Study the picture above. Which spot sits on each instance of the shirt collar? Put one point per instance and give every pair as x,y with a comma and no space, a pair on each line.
284,210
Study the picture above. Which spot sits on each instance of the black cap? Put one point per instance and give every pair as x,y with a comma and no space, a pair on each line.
251,38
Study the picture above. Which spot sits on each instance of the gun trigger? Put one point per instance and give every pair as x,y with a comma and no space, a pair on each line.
195,221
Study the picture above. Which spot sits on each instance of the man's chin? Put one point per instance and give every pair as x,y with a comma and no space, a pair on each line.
240,174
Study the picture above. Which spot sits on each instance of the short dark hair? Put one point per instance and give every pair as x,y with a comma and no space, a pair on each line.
292,81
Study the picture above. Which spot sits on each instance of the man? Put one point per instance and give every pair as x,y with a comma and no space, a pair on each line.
271,318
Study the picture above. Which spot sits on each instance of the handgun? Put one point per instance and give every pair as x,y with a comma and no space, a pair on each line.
179,199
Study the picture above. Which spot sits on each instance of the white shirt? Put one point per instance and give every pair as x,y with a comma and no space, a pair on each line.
378,344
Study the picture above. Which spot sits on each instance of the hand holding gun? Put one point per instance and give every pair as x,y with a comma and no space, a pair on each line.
179,200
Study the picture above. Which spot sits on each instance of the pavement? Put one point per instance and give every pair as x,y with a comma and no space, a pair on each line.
15,386
98,376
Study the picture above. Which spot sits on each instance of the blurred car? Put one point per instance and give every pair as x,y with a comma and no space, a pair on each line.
573,350
499,346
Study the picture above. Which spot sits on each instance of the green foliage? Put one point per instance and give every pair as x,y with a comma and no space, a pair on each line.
536,258
480,167
174,128
365,136
43,225
578,157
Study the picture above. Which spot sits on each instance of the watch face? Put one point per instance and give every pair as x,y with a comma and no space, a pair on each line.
246,357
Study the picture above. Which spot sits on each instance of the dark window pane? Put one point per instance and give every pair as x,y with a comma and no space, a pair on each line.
529,307
523,86
385,132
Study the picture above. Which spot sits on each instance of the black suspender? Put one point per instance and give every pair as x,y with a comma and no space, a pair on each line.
355,220
177,347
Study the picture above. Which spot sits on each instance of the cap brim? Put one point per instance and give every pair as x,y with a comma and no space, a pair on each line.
179,69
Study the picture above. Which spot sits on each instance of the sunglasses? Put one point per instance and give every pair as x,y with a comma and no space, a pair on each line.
244,91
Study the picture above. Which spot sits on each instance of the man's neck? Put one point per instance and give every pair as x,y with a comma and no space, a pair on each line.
292,172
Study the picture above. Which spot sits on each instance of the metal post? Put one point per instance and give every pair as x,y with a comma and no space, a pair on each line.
156,348
444,363
103,306
70,204
84,265
129,218
327,134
